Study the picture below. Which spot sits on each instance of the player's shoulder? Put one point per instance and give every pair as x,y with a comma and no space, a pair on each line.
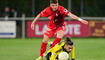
61,43
60,6
48,8
62,9
57,48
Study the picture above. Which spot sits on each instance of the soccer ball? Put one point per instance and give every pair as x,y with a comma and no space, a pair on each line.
63,56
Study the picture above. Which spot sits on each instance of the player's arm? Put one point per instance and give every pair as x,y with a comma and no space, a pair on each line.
53,56
73,54
77,18
37,18
43,13
54,51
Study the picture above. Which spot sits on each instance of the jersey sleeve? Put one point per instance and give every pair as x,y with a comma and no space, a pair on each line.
53,56
55,50
65,11
44,13
73,53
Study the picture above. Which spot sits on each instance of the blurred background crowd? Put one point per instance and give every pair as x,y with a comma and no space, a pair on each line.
86,8
8,12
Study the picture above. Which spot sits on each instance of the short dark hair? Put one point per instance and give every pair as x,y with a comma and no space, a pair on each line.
69,41
54,1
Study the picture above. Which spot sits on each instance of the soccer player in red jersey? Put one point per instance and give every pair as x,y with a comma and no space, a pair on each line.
56,14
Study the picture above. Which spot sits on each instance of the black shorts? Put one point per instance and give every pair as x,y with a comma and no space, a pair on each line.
48,56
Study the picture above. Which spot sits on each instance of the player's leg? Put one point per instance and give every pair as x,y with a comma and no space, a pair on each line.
60,34
48,34
44,44
43,47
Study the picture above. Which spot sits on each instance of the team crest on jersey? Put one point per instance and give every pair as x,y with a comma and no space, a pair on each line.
65,10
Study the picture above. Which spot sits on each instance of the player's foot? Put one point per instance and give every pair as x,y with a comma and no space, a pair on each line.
39,58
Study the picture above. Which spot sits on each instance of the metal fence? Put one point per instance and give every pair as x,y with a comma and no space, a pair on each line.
23,20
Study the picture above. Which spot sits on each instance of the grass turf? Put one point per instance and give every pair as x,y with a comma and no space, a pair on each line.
29,48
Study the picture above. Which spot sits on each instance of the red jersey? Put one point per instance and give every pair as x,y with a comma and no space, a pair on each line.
56,18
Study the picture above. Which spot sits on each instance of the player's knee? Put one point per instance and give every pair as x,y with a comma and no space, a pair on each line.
45,39
60,35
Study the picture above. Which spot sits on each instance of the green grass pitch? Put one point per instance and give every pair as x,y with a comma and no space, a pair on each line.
29,48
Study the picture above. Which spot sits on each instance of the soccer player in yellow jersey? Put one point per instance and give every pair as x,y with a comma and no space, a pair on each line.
66,45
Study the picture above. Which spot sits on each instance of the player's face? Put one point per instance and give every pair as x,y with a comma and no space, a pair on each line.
68,47
54,6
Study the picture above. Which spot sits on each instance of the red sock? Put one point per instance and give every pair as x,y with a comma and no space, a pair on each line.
57,40
43,48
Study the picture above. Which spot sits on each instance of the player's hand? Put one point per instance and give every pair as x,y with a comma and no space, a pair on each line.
32,26
84,21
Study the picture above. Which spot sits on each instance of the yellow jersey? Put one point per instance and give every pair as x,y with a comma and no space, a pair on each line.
58,48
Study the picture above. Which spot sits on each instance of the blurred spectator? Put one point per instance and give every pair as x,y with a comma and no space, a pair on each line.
6,12
13,13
